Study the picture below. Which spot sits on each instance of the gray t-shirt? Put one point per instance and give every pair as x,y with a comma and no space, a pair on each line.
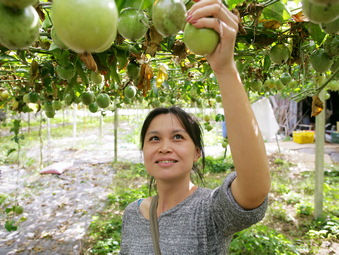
203,223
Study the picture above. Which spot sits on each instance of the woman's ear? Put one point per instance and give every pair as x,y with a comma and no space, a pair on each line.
197,154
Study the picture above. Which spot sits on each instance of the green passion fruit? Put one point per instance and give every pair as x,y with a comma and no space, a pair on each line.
87,97
256,85
57,40
319,14
292,84
66,73
331,27
93,107
132,24
333,85
50,114
48,106
169,16
335,66
103,100
19,209
133,70
200,41
325,2
56,104
285,78
279,85
85,26
96,78
19,28
18,4
331,46
130,91
4,94
33,97
279,53
270,83
320,61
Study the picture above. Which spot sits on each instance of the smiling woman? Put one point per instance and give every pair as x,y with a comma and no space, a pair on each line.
184,218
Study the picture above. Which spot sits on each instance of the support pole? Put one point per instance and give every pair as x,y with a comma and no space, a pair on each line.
101,126
319,159
116,135
74,125
48,140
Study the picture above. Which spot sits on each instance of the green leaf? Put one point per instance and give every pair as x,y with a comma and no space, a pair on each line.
277,11
10,151
267,62
7,210
232,3
114,74
9,226
122,54
121,4
316,32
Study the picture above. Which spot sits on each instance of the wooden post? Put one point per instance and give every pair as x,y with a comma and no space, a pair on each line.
319,159
48,140
74,125
101,126
29,123
116,135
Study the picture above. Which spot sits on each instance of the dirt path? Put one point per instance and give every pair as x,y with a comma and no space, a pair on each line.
59,208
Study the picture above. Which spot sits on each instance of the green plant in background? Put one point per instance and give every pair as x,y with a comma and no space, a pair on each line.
16,209
259,239
217,164
305,208
327,227
292,197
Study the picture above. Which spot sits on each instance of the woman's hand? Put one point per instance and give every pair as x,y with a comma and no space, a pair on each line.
214,14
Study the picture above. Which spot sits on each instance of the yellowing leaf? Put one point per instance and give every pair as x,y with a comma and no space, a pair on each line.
162,75
272,24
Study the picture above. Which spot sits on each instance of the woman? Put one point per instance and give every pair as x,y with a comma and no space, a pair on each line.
191,219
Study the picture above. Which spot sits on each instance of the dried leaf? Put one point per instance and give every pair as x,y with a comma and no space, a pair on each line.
179,49
299,17
317,106
241,29
55,90
153,39
88,59
40,12
272,24
33,72
146,74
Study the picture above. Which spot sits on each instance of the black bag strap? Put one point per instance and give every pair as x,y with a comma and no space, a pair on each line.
154,225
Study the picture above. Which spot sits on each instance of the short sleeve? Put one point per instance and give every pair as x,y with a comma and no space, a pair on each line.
228,215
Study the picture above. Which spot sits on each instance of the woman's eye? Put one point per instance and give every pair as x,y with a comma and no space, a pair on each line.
178,137
154,138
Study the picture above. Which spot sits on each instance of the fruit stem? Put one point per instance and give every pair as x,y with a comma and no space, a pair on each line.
141,5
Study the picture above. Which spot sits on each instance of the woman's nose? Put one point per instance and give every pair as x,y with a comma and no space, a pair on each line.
165,147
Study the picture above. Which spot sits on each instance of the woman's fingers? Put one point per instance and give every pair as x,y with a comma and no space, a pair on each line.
211,8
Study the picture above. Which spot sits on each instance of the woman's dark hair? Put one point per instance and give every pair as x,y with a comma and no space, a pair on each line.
191,126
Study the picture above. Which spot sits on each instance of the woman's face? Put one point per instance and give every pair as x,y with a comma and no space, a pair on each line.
169,152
